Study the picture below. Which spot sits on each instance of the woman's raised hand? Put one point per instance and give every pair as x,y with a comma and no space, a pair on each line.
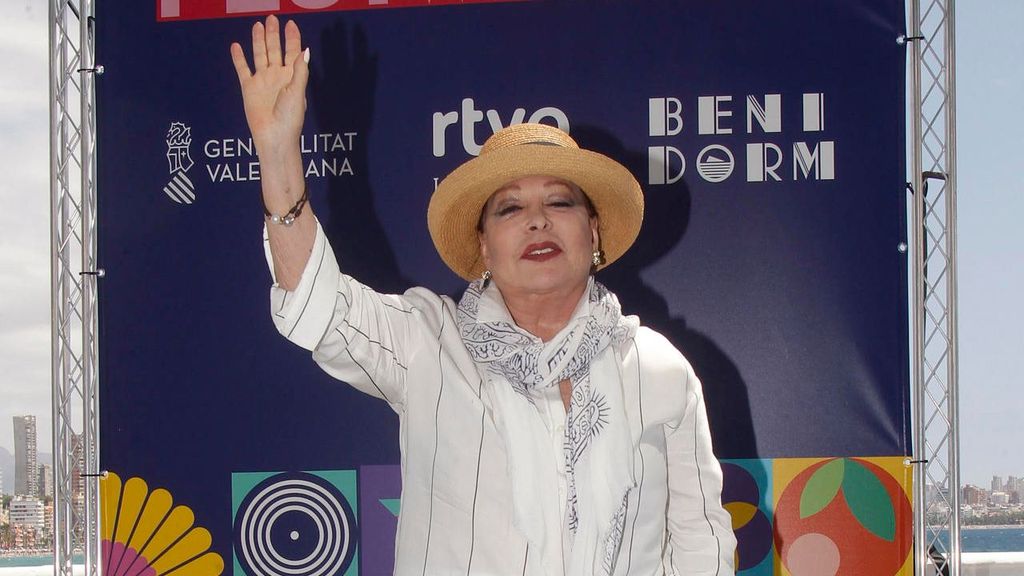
274,92
274,95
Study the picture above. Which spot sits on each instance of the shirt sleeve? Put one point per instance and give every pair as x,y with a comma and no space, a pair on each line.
700,529
355,334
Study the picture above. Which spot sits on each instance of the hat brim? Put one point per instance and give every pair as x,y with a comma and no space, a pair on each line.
457,202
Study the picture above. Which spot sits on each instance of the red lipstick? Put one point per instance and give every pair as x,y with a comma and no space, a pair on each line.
541,251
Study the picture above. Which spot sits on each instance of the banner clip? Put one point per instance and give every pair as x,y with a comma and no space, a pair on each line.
97,70
102,474
903,39
99,273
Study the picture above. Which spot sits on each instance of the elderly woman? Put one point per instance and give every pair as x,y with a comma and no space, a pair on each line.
542,432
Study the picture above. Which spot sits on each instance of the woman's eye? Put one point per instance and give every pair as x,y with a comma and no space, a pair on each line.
508,209
562,203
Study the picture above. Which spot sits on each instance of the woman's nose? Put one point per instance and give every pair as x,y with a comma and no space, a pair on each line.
537,218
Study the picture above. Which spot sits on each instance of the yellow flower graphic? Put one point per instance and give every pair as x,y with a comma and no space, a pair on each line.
144,534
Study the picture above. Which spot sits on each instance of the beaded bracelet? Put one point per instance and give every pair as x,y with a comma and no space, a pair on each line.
289,216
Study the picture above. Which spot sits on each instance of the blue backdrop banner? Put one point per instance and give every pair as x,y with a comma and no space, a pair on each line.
768,137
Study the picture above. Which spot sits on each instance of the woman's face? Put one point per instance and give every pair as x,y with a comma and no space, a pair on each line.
538,237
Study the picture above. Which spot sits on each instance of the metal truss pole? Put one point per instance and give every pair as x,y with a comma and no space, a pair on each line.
936,420
73,275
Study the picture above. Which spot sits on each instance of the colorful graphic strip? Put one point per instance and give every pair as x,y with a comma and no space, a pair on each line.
820,516
172,10
144,534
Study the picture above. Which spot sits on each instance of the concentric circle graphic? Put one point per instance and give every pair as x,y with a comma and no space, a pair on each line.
295,523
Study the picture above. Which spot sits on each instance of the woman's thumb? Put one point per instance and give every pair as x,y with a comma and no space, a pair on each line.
301,74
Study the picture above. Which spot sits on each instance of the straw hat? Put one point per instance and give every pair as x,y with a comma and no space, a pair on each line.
527,150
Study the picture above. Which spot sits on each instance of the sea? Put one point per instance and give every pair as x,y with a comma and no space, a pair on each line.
991,539
974,539
26,561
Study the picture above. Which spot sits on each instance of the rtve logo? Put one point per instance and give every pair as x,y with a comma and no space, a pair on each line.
716,162
469,116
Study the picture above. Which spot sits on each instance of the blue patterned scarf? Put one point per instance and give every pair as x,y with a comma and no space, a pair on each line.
598,444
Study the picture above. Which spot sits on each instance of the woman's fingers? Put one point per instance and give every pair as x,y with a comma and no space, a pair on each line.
273,28
301,74
259,46
273,89
241,66
298,59
266,44
292,41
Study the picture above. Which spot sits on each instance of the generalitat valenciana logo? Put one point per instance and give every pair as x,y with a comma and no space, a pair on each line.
179,162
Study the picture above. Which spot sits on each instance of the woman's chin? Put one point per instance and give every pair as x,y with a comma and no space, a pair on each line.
546,280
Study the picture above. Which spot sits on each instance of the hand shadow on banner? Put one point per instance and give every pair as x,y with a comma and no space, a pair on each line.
342,94
343,98
666,216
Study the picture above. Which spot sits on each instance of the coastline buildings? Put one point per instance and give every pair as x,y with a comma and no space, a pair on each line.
999,498
29,520
980,507
1000,493
29,525
27,512
974,496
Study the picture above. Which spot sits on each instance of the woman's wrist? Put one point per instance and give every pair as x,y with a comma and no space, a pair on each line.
283,181
288,218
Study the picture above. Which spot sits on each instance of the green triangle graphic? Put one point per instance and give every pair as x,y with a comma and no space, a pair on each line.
392,504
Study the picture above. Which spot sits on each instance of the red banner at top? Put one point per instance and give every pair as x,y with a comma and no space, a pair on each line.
171,10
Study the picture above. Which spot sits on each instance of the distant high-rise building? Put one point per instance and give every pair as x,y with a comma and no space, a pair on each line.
1013,484
26,469
997,484
1,482
78,463
45,481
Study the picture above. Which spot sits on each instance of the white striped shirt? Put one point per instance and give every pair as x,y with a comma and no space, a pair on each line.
456,515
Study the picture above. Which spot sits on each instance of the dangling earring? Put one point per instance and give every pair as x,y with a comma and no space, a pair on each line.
598,258
486,277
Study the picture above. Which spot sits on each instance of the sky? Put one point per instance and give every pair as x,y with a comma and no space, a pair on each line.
990,133
990,210
24,221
